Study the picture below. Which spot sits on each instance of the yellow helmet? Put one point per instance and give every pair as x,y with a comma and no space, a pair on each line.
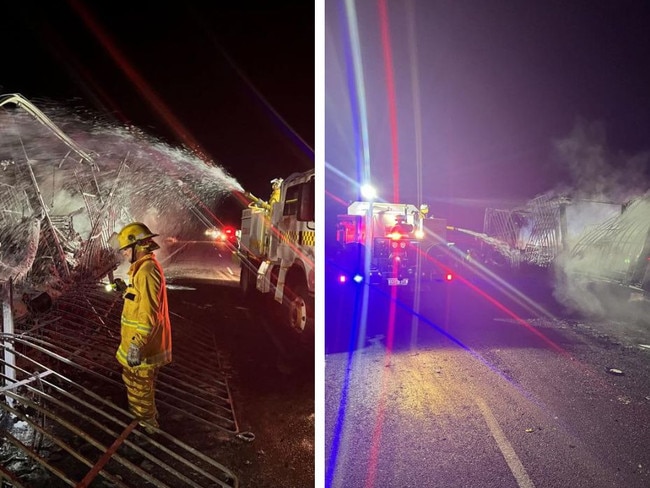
132,234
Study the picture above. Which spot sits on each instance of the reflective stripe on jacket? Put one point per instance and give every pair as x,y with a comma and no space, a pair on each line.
145,316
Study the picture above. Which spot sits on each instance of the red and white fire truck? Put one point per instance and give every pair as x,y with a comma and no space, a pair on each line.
392,244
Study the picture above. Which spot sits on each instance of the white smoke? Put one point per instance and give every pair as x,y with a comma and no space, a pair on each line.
595,271
595,171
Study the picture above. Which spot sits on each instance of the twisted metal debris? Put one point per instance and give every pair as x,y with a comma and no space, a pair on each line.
614,248
530,234
60,414
618,250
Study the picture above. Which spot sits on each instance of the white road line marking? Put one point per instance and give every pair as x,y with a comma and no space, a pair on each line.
515,465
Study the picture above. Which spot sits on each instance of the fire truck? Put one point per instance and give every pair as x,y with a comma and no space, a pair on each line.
392,244
276,250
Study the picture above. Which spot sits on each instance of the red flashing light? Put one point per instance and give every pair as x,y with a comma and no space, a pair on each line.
449,277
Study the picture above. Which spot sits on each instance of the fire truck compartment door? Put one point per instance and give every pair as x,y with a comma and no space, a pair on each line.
263,282
279,289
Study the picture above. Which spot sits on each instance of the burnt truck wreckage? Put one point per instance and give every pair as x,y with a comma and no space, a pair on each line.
59,205
550,227
587,246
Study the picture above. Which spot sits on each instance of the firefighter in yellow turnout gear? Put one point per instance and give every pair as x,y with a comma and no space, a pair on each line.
146,339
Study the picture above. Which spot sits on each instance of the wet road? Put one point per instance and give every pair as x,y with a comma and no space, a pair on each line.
273,393
479,390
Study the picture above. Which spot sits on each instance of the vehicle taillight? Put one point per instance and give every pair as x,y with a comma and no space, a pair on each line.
449,277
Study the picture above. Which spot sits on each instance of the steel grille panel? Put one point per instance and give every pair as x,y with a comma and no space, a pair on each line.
67,406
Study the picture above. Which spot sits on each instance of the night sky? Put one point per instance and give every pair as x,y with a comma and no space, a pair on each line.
473,103
234,80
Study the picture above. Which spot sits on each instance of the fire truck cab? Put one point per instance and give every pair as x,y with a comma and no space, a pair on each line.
393,244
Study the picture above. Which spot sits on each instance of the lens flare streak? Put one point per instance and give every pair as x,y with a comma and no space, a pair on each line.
390,88
358,93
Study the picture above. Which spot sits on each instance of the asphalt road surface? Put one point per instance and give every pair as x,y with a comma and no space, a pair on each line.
476,388
272,387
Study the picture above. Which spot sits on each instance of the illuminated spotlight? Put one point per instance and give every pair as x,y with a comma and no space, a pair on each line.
343,279
368,192
358,278
108,287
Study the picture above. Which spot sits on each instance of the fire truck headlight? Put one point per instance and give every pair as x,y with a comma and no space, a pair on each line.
368,192
357,278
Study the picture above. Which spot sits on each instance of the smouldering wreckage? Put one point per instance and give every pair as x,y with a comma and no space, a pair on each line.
598,252
59,205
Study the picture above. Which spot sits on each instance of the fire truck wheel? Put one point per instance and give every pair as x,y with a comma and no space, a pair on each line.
298,309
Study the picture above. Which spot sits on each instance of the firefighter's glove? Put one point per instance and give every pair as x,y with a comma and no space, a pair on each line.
119,285
133,355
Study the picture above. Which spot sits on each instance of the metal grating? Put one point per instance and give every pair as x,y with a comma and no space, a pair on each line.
531,234
66,408
543,242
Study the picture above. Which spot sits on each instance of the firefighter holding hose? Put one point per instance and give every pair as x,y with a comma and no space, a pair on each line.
402,226
146,340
